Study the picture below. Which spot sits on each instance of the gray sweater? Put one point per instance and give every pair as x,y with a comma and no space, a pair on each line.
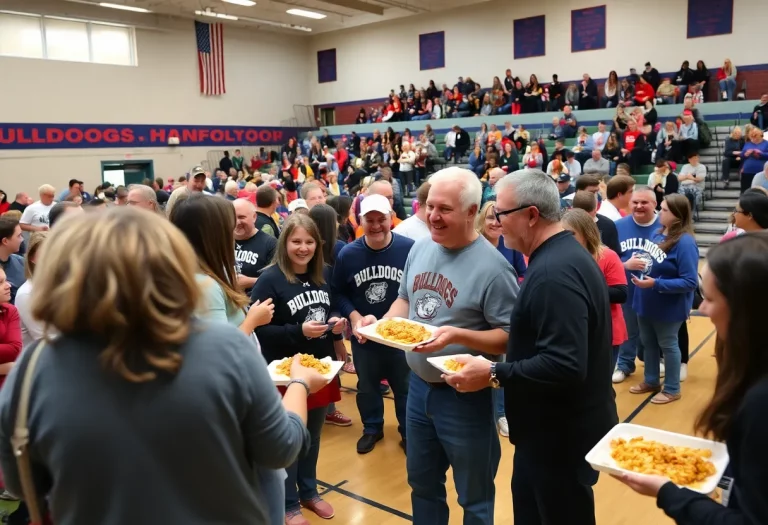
175,450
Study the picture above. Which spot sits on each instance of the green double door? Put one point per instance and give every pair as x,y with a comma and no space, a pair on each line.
122,173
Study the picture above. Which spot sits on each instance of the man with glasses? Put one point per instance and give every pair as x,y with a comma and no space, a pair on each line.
456,281
559,400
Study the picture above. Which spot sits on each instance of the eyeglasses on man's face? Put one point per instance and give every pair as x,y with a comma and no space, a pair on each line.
499,214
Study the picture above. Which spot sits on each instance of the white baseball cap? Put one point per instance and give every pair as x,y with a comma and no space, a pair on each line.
375,202
295,205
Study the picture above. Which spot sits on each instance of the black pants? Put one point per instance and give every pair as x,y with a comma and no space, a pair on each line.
549,491
746,181
728,163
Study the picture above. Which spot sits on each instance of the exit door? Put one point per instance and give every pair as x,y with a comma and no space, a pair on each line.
328,116
122,173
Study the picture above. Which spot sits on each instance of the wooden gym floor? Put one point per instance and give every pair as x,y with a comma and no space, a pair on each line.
372,488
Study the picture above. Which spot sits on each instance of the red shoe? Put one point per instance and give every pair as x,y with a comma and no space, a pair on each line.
349,367
319,507
338,419
295,517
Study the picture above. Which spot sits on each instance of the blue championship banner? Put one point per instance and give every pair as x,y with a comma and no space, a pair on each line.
83,136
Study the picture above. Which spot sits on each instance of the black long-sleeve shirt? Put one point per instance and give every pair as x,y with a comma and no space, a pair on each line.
557,375
609,235
748,502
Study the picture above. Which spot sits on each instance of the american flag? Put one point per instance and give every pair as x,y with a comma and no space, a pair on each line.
210,57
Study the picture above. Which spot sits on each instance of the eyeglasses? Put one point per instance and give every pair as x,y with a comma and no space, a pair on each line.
739,211
499,214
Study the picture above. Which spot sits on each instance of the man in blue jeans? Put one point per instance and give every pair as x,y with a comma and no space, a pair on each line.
456,281
634,234
366,279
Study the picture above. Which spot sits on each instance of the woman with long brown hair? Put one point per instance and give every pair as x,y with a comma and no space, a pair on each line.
297,283
734,287
585,231
136,395
664,295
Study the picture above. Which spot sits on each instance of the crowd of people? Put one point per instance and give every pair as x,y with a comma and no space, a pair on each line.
561,294
512,95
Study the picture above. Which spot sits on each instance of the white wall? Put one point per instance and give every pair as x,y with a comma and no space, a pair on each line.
479,43
162,89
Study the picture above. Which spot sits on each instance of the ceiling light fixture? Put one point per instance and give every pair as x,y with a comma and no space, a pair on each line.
244,3
125,7
213,14
276,24
307,14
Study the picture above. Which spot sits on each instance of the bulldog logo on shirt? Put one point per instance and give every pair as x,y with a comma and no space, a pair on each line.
427,306
315,314
376,293
647,259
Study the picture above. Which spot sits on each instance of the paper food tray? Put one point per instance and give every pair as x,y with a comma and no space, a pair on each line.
600,456
369,332
439,361
281,380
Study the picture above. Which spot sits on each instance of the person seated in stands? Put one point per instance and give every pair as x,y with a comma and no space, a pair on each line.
692,178
600,137
666,92
610,98
362,118
573,166
477,160
687,139
509,160
532,97
462,143
596,164
760,113
665,138
556,94
650,116
498,97
584,145
508,130
701,78
557,130
533,158
651,75
569,123
643,92
437,109
450,144
587,93
516,98
571,97
560,149
726,77
556,168
732,158
564,186
494,135
683,79
487,107
760,182
491,163
663,181
626,93
629,141
423,105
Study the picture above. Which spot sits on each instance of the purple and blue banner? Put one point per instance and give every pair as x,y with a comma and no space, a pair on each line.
326,66
710,17
432,50
529,37
83,136
588,29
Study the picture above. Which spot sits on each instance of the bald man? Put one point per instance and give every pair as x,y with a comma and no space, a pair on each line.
254,250
381,187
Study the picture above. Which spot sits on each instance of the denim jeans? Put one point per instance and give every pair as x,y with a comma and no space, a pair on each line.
633,346
729,86
682,90
451,429
448,153
498,402
372,365
303,472
658,335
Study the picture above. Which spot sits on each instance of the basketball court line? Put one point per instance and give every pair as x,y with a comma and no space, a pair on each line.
362,499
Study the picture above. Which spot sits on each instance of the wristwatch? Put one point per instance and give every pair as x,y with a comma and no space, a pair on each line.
494,382
299,382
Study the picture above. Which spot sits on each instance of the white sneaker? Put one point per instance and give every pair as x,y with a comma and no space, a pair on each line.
618,376
662,370
683,371
503,427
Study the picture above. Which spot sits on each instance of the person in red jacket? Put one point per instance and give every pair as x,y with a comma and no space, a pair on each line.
10,329
643,91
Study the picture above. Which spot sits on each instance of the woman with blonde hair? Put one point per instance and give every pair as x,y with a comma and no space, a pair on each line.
732,153
297,282
726,77
32,330
176,396
585,231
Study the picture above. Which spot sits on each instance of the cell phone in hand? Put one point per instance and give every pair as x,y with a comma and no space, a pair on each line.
330,324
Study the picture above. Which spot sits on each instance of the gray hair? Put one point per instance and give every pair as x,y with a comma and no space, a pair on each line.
641,189
534,188
471,187
230,186
146,192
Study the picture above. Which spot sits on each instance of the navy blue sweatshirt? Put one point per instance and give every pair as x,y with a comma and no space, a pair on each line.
295,304
368,280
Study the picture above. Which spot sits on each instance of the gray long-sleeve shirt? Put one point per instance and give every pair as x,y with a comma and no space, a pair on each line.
179,449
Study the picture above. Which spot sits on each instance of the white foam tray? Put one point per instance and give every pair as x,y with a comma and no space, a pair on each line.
281,380
369,332
600,455
439,361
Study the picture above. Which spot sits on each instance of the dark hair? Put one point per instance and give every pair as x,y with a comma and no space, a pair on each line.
7,227
58,210
266,196
422,193
755,204
95,202
585,200
739,270
209,225
586,181
679,207
4,197
619,184
326,219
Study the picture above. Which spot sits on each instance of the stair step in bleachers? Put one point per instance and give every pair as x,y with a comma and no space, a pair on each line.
719,204
716,228
707,240
720,216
